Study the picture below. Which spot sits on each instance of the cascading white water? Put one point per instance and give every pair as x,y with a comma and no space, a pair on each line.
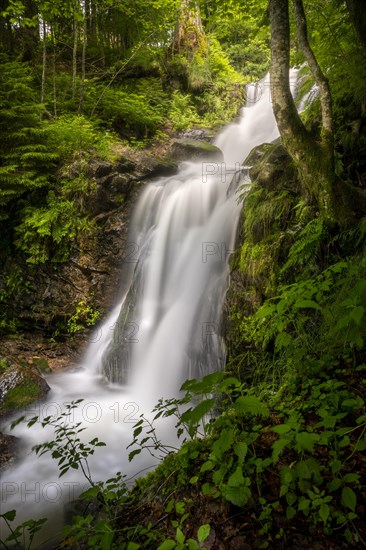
166,326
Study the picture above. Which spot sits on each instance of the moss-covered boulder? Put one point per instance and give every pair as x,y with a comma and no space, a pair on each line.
272,167
190,149
20,386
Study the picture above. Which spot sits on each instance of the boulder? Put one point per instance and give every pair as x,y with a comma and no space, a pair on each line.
8,450
190,149
154,167
201,134
20,386
272,168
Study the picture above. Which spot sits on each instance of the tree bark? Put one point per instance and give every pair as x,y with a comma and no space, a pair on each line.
357,11
319,77
315,171
74,57
189,34
44,61
54,72
29,34
292,130
83,55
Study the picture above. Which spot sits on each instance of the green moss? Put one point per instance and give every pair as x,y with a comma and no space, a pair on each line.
3,365
22,395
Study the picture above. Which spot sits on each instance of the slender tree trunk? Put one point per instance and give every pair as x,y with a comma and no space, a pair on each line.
315,171
319,77
54,72
44,61
93,22
292,130
325,96
357,11
74,57
100,41
82,81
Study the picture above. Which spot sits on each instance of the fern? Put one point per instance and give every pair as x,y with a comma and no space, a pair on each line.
307,245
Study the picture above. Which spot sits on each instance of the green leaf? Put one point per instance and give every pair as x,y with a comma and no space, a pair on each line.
221,445
304,504
241,449
205,385
207,466
290,512
10,515
132,454
349,498
180,508
334,485
167,545
133,546
238,496
277,447
357,313
236,479
324,512
300,304
207,489
351,478
194,416
179,536
306,441
281,429
250,404
170,506
203,532
91,493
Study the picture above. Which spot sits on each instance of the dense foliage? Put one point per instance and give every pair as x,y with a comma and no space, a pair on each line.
78,80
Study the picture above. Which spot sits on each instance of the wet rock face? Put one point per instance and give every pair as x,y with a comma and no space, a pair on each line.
20,386
92,274
8,450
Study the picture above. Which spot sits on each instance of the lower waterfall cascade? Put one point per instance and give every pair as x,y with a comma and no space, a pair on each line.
166,325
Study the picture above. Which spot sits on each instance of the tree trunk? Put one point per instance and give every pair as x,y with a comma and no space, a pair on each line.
315,173
319,77
325,96
54,72
44,61
357,11
82,81
189,34
74,57
29,34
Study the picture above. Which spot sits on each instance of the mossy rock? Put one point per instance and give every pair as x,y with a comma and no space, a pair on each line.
190,149
20,386
272,168
154,167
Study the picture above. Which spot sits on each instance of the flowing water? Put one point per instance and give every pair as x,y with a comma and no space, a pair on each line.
166,325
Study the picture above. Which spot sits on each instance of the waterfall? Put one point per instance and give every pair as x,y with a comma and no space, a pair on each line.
166,326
